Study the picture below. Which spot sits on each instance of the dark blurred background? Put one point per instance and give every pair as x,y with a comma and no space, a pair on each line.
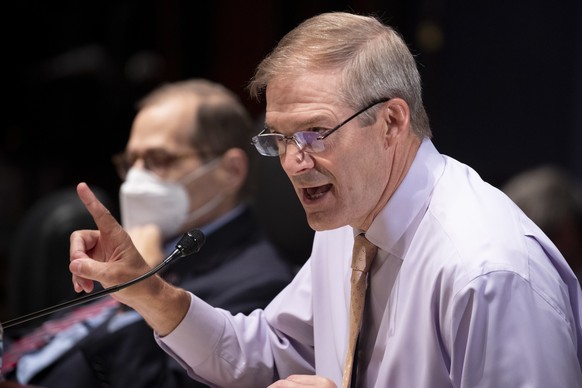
502,81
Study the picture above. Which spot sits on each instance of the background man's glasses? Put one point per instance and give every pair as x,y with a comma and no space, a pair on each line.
274,144
157,161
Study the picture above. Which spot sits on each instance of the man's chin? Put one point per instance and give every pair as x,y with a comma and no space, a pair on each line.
320,221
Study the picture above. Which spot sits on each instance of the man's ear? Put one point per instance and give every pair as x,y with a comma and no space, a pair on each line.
396,115
234,169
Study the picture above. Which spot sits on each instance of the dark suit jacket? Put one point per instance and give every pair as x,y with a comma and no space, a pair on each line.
236,269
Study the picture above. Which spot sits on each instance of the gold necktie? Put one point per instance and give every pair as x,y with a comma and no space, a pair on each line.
364,252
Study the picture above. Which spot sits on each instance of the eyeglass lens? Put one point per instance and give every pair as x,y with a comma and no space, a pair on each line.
274,144
157,161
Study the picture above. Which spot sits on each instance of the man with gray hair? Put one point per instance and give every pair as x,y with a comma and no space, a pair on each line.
460,288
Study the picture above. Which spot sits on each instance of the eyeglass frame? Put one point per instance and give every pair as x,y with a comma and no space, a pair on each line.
123,161
255,139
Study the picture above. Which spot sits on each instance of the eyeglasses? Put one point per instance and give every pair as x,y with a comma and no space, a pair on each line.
274,144
157,161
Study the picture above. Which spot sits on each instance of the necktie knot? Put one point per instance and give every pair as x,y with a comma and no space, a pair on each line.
364,252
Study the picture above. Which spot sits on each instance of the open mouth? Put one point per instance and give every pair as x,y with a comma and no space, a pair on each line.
314,193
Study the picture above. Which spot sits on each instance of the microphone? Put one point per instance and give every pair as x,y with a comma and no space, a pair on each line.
191,242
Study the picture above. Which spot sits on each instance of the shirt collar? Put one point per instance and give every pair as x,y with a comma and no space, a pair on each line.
409,202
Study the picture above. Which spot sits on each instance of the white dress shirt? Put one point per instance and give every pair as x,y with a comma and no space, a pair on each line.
465,292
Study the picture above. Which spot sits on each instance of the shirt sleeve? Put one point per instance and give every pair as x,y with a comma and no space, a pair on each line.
221,349
499,315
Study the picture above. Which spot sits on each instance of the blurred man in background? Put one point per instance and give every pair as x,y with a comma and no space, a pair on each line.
552,198
187,164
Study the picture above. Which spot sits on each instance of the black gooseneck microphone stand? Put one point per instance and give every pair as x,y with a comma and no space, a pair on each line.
191,242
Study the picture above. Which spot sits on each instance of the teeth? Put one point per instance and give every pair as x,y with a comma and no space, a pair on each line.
317,192
316,195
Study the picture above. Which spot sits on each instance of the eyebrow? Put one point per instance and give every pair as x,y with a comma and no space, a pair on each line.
147,150
309,122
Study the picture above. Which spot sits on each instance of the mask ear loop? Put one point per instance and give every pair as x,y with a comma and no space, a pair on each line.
201,171
206,208
215,201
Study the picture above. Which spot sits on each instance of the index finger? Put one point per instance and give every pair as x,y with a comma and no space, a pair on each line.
101,215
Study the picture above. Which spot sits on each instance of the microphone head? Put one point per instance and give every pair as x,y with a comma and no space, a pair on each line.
191,242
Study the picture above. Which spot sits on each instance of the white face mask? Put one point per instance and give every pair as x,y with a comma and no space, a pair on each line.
145,198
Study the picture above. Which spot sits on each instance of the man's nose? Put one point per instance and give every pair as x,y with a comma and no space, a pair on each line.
295,159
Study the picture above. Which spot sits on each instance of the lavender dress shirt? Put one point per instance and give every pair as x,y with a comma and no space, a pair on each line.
465,292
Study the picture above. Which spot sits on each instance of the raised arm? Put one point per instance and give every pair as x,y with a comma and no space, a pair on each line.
108,256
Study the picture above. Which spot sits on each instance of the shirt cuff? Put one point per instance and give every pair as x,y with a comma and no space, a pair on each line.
196,336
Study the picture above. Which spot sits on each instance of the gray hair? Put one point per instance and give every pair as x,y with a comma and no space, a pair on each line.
373,60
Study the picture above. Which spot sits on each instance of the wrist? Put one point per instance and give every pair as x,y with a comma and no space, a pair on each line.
163,306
